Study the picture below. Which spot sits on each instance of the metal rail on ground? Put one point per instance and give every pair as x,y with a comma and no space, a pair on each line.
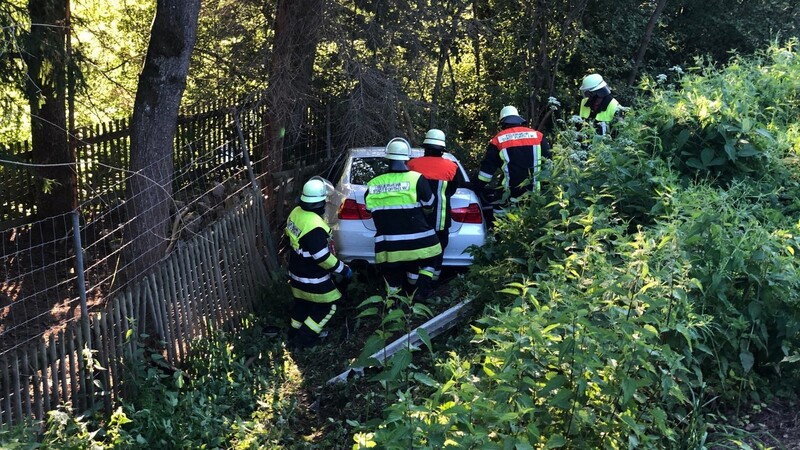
433,327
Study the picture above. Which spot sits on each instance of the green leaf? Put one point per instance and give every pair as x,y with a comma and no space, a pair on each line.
730,150
748,150
562,399
373,344
511,291
695,163
791,359
747,360
421,309
368,312
660,418
718,161
400,362
510,416
754,308
553,383
707,155
426,379
681,328
425,338
556,441
392,316
683,137
628,389
765,134
533,432
370,300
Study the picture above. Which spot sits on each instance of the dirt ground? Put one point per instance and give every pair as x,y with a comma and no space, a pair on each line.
778,425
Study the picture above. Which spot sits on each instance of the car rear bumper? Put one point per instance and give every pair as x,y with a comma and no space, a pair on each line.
354,245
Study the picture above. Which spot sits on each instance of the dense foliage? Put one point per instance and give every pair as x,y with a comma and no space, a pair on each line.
649,284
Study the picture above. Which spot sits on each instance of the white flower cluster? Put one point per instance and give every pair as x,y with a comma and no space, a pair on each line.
575,119
553,103
625,142
661,78
677,69
579,156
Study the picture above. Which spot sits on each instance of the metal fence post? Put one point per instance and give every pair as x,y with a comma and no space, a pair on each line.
81,280
79,275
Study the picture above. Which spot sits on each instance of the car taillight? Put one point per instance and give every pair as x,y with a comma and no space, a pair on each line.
470,214
351,210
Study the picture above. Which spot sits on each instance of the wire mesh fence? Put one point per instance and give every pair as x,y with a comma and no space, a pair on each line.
41,289
66,309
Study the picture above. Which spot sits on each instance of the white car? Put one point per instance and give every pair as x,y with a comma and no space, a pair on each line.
354,231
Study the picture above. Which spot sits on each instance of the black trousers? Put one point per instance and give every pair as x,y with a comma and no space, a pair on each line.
308,320
444,239
409,275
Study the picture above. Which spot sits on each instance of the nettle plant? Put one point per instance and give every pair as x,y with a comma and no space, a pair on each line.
397,313
738,121
742,252
652,280
577,358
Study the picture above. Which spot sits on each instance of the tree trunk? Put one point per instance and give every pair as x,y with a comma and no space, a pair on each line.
476,40
437,87
155,115
648,33
297,25
46,60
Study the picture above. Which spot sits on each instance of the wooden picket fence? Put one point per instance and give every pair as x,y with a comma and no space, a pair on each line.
209,282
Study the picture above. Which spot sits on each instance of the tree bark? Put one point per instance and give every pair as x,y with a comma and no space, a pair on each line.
297,26
476,39
46,61
648,34
155,114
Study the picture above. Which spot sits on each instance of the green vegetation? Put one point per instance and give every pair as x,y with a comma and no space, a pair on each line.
649,286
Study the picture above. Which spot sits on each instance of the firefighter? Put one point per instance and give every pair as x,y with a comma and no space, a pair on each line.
444,178
312,265
518,151
406,246
597,103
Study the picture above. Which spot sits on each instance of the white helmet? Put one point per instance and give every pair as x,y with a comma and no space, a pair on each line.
592,82
434,137
398,149
316,190
510,115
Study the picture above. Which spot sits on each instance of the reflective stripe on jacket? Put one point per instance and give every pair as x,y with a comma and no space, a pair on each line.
441,174
518,152
311,261
402,232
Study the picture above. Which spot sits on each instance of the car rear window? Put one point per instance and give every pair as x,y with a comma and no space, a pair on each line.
364,169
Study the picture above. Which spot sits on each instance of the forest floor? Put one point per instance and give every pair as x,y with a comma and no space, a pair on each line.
778,424
774,424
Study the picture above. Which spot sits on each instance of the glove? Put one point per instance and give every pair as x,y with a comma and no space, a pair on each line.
347,273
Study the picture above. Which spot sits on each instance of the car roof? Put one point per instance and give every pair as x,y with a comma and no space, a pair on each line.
380,152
